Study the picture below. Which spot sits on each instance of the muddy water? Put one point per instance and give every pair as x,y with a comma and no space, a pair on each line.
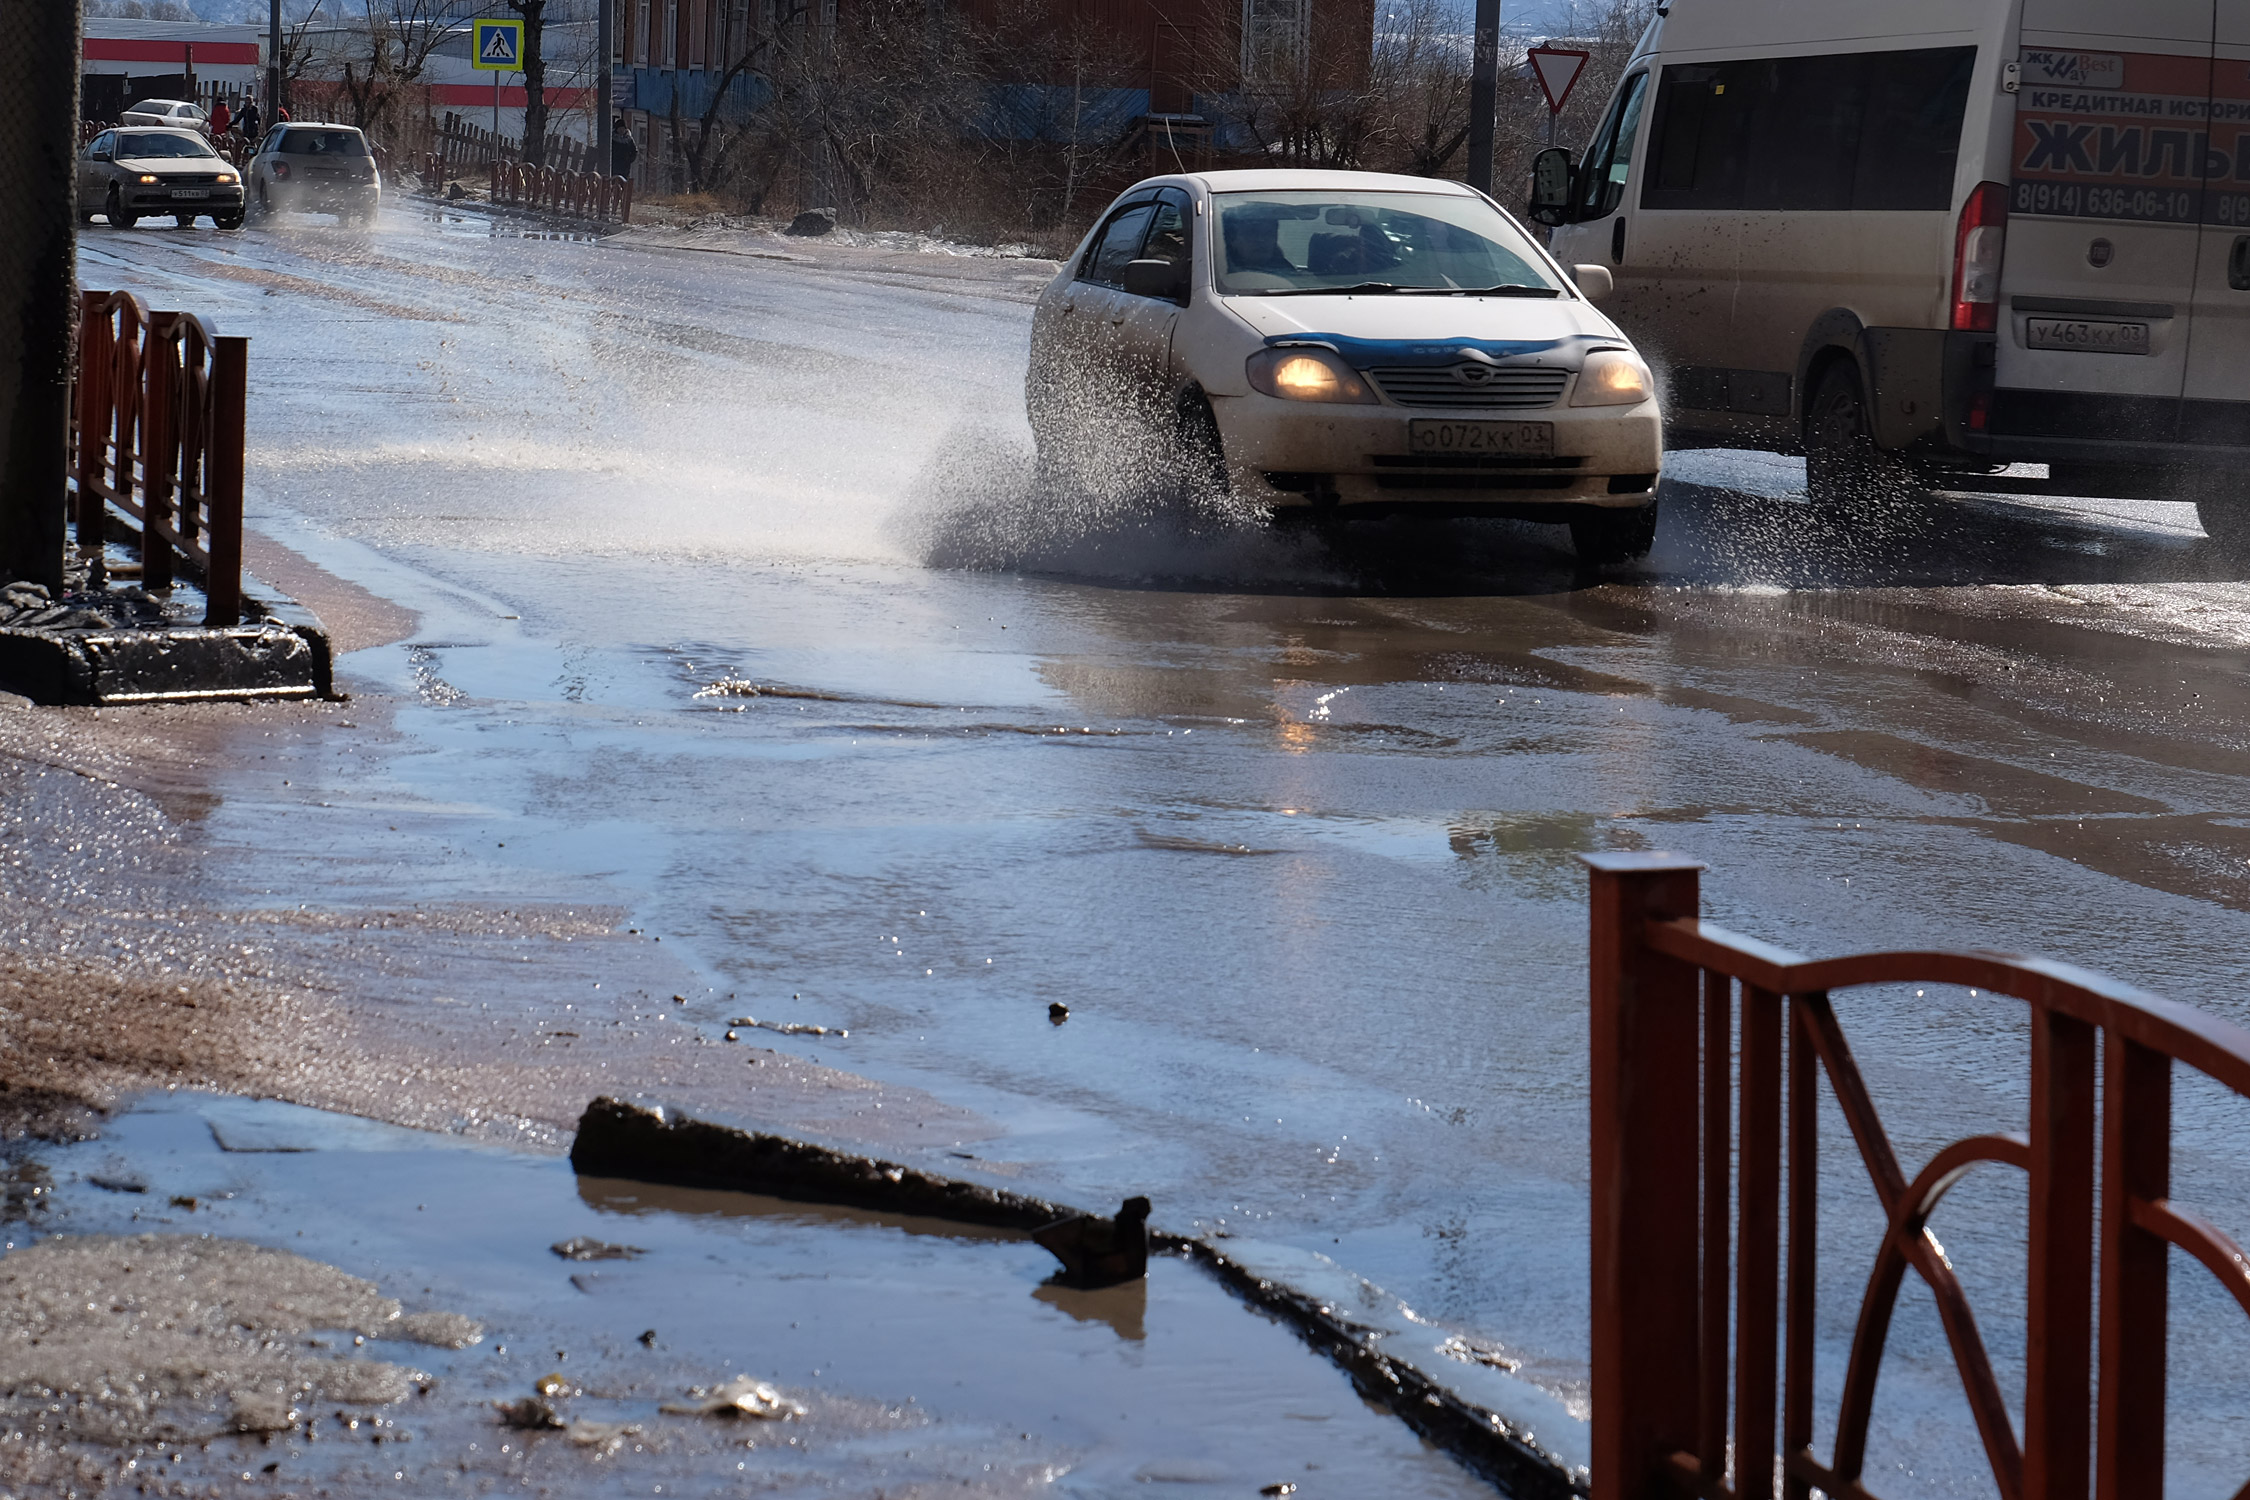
925,1354
737,613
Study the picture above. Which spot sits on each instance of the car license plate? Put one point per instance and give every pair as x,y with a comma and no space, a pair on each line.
1477,439
191,192
2087,338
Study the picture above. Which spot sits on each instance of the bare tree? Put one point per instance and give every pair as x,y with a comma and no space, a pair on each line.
534,14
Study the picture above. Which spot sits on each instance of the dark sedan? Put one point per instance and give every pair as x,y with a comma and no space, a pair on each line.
125,175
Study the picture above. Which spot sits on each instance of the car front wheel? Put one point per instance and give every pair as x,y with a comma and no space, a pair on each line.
1608,537
115,211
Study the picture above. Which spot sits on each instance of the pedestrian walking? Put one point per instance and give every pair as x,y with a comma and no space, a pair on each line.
247,122
222,119
622,152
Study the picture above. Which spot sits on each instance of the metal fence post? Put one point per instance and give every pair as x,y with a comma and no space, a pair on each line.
230,399
160,450
1645,1018
2136,1163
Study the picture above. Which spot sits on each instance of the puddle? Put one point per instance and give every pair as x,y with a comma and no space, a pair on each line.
925,1353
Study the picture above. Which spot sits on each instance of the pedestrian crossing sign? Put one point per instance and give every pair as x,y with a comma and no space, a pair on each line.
497,46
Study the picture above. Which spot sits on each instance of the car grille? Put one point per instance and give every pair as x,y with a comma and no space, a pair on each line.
1488,388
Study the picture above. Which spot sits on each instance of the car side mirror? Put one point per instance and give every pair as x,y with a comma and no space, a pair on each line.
1550,186
1156,278
1594,282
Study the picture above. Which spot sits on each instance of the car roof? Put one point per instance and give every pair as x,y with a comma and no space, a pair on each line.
1278,179
183,133
166,103
317,125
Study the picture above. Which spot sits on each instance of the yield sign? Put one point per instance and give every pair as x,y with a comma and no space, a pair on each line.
1558,69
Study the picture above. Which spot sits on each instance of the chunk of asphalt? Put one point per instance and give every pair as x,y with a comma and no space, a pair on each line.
1511,1430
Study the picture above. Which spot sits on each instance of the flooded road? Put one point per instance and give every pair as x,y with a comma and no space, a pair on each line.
730,609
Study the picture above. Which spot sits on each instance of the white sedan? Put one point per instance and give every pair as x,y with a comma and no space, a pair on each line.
1345,344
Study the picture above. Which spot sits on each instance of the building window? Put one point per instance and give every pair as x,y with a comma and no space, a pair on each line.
671,33
1276,39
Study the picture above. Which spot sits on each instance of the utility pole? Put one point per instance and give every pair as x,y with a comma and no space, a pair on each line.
1484,93
273,61
40,60
605,81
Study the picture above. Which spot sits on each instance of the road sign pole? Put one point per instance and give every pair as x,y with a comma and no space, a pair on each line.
1484,94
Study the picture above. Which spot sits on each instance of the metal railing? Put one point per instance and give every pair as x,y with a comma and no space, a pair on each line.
585,195
1666,1131
159,405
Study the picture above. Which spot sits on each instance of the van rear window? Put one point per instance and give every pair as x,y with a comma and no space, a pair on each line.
1855,130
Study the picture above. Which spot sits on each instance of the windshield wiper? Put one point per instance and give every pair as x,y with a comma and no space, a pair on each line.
1505,289
1333,291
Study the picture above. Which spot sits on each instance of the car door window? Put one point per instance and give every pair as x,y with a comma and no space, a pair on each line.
100,150
1167,232
1120,242
1610,159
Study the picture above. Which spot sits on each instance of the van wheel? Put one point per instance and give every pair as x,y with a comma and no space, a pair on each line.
1844,470
1607,537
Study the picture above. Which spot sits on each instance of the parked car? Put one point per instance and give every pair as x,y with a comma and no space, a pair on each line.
1923,241
315,168
126,175
1347,344
184,114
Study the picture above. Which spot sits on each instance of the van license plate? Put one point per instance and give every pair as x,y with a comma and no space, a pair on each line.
2086,338
1474,439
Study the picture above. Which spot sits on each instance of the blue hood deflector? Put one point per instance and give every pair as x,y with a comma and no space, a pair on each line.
1362,354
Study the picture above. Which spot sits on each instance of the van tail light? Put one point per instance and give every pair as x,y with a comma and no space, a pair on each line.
1977,244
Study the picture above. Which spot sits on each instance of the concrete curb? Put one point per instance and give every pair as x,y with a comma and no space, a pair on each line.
1515,1434
73,653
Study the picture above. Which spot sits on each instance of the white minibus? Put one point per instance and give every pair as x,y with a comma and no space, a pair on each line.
1923,240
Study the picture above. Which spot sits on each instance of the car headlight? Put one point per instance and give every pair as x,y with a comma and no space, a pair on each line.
1612,377
226,177
148,177
1303,374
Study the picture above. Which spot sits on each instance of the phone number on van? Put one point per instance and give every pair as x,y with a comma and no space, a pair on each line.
2078,200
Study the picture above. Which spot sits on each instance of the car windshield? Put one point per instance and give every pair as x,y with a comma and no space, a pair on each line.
147,143
324,143
1279,243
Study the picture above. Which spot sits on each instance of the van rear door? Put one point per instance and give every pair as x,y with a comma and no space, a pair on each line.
2217,408
2097,285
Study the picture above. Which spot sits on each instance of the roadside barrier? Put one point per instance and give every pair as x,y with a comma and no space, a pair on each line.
159,405
586,195
1664,1131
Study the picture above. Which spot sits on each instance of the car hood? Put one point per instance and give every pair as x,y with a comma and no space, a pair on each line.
164,164
1397,327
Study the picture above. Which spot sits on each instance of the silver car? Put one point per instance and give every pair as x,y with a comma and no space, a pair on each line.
128,175
305,167
181,114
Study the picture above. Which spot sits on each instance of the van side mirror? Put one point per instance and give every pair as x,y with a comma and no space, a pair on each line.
1594,282
1550,186
1156,278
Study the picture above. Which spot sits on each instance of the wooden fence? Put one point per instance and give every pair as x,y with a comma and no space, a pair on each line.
1666,1131
159,405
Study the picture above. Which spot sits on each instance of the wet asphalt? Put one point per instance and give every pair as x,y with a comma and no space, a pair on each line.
735,609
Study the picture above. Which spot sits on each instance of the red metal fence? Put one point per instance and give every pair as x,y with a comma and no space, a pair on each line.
1665,1134
159,406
